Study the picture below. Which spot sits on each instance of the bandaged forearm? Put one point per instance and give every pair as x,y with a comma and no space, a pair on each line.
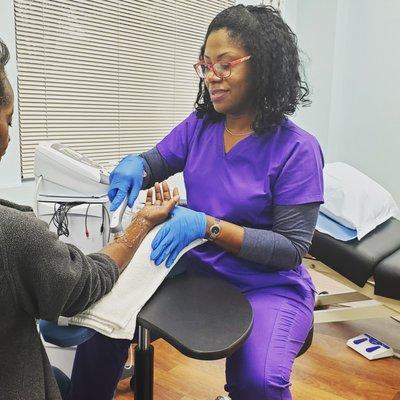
156,168
122,249
283,247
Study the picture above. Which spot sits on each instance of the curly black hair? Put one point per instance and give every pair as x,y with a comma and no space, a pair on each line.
4,57
275,64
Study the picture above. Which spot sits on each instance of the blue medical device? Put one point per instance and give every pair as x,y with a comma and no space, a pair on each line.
370,347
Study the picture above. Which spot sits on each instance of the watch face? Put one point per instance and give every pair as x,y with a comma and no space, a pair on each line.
214,230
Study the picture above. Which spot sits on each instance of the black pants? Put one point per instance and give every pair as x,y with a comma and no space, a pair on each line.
63,382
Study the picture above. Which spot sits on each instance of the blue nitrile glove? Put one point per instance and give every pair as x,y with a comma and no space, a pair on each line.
184,226
126,179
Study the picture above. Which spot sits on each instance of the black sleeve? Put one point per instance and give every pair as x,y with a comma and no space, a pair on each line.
156,168
284,246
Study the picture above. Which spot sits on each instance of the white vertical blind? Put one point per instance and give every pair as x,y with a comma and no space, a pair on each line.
107,77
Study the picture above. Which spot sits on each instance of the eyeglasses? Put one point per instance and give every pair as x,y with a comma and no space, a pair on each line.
220,69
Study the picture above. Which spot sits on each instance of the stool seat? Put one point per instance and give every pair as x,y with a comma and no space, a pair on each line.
203,317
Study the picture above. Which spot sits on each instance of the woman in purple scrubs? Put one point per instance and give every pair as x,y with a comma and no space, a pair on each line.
254,186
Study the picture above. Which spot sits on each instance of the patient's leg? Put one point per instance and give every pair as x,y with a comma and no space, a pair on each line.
98,366
63,383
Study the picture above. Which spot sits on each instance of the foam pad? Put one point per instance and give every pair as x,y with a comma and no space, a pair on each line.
64,336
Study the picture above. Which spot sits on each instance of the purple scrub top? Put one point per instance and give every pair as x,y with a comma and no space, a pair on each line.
282,168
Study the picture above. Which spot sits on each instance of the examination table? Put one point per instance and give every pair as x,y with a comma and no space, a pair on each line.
370,267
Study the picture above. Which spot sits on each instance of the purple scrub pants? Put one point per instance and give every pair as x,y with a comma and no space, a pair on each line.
259,370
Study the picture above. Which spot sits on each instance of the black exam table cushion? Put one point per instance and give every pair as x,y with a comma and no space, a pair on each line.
387,277
356,260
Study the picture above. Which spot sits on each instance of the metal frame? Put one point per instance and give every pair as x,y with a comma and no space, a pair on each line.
360,303
211,67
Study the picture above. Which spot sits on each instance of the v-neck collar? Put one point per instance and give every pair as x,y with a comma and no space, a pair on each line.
236,148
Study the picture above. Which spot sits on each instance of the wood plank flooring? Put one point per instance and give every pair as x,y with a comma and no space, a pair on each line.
328,371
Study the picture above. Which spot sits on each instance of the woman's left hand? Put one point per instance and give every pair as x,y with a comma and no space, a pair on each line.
184,226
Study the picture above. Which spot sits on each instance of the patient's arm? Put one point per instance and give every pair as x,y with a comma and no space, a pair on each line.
122,249
48,277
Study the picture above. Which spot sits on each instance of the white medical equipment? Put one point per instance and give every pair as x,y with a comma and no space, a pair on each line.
370,347
66,178
70,185
63,175
63,172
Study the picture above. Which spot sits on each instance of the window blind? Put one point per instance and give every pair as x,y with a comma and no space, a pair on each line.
106,77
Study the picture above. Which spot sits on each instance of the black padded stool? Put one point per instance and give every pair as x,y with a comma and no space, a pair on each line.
204,318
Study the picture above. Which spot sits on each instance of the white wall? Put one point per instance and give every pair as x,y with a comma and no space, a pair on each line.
353,69
10,175
317,54
11,187
365,118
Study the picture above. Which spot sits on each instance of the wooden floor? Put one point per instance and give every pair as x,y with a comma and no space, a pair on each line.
328,371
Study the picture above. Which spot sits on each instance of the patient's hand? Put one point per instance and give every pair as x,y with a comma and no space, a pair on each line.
157,212
122,249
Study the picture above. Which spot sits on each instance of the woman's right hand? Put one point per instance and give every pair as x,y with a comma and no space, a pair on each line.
126,180
156,212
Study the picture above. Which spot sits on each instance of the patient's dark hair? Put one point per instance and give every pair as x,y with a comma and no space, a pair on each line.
275,64
4,57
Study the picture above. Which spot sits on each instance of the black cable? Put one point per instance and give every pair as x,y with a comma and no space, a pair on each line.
60,217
